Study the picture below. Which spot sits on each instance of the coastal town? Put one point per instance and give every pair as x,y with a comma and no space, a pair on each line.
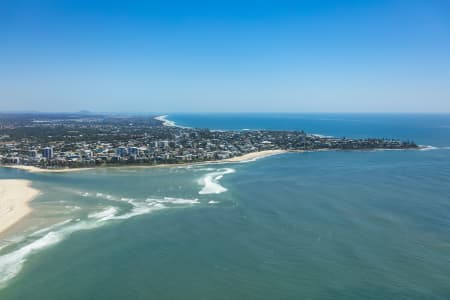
57,141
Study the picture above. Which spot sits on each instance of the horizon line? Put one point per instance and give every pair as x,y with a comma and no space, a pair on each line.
87,112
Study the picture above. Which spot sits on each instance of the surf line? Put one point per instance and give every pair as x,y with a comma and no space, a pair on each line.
211,182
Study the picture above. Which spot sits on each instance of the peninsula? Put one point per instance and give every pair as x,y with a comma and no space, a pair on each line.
84,140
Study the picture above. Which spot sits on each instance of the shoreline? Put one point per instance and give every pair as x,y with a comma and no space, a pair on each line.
251,156
33,169
165,122
247,157
168,123
237,159
15,196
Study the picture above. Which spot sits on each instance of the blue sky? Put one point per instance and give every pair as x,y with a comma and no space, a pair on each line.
231,56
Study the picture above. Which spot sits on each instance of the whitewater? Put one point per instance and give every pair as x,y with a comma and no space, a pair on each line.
11,263
109,208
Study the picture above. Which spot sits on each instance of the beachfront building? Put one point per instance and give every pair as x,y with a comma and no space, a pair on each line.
47,152
133,151
121,151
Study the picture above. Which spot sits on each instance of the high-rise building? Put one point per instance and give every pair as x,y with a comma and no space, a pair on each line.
133,151
121,151
47,152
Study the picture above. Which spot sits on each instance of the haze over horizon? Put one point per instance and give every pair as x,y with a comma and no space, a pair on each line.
199,56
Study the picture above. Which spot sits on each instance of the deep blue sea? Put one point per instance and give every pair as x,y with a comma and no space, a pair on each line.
427,129
317,225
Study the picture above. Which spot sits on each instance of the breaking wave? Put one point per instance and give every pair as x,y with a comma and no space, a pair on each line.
11,263
428,147
211,182
176,200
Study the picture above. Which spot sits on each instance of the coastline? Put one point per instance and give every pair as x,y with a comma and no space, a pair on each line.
15,195
167,122
33,169
247,157
164,121
237,159
252,156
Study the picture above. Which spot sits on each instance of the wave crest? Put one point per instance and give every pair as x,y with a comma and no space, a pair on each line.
11,263
211,182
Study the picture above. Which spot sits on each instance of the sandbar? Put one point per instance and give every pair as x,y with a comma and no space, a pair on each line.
15,195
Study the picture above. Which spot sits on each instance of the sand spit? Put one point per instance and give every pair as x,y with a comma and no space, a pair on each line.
15,195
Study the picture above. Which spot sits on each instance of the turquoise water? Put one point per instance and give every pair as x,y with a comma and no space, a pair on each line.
324,225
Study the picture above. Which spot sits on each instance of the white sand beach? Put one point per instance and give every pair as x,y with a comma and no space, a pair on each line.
237,159
253,156
242,158
15,194
165,121
33,169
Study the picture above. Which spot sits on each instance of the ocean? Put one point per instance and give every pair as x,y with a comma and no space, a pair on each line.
315,225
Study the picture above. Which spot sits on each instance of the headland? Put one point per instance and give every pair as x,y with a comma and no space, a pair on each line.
66,143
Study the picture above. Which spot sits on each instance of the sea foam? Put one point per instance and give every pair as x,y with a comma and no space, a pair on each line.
11,263
211,182
104,215
178,200
428,147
